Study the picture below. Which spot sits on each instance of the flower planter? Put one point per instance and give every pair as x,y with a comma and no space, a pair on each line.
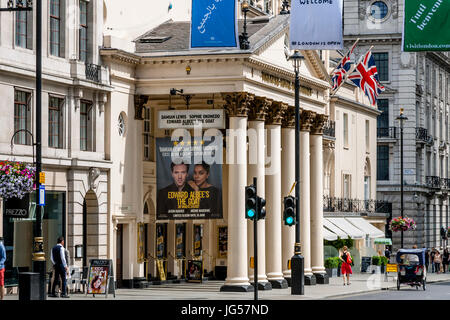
332,272
16,179
402,224
375,269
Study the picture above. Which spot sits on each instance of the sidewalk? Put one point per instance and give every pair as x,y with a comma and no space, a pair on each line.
210,290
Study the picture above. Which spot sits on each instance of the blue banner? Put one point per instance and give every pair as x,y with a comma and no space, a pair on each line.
213,24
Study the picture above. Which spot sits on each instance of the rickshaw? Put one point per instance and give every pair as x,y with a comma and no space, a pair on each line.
411,268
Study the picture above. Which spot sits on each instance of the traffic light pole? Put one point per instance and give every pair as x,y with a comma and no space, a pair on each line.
255,243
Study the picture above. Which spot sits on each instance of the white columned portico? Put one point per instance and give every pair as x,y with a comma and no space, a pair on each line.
273,196
256,168
287,180
305,206
317,255
237,273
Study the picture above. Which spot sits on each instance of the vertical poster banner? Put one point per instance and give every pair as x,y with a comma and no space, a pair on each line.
316,24
214,24
426,25
198,235
160,241
223,241
180,247
189,188
141,243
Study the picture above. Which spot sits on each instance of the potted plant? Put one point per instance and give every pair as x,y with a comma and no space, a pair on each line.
402,224
384,261
16,179
331,266
376,264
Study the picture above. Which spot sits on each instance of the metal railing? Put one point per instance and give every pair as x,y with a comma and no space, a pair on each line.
423,136
334,204
390,132
445,183
433,182
93,72
329,130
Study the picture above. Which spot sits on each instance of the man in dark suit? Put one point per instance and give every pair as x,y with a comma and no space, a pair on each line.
58,259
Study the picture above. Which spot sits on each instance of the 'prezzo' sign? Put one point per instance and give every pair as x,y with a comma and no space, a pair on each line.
170,119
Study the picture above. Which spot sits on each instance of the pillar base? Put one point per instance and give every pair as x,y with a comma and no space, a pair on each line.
279,284
264,285
322,278
310,280
241,288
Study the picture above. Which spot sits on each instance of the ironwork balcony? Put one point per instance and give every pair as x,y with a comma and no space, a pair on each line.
390,132
433,182
93,72
445,183
423,136
334,204
329,130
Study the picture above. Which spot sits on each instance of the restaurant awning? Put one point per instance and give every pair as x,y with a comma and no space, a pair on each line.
366,227
385,241
338,232
328,235
347,227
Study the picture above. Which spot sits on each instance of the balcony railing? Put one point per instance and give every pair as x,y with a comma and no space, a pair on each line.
423,136
329,130
445,183
390,132
333,204
433,182
93,72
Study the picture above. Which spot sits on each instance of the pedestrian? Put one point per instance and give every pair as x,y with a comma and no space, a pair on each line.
346,268
437,261
387,253
2,268
445,258
433,251
58,259
427,258
68,276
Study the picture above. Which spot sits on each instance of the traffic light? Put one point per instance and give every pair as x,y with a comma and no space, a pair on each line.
261,208
289,211
250,203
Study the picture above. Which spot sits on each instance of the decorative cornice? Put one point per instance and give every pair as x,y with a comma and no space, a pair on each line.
306,120
288,120
318,123
139,105
275,113
237,103
258,108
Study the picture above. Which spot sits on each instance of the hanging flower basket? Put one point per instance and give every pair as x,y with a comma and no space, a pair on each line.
402,224
16,179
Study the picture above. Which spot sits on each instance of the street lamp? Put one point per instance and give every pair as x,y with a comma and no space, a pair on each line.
39,264
401,118
297,260
243,38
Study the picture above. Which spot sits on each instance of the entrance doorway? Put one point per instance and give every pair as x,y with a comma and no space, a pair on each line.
119,256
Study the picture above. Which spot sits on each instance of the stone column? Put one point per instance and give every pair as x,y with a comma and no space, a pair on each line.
287,180
256,168
317,256
273,196
236,105
306,119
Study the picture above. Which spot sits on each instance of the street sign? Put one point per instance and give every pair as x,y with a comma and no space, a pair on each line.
42,195
391,267
17,208
42,177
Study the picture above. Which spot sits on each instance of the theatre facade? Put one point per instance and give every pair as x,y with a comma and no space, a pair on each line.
157,222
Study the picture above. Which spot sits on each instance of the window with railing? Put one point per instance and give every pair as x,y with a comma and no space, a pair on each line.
22,116
86,129
83,31
55,122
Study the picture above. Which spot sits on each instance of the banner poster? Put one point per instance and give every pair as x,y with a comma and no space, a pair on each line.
214,24
194,271
98,277
141,243
426,25
223,241
189,187
316,24
161,240
198,235
179,240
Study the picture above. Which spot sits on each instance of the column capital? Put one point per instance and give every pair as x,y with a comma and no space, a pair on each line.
306,120
318,123
275,113
139,105
237,103
258,108
288,120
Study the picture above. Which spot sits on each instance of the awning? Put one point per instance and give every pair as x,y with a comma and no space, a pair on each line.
386,241
347,227
328,235
338,232
366,227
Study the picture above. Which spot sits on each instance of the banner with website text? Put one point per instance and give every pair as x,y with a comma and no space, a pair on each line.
426,25
316,24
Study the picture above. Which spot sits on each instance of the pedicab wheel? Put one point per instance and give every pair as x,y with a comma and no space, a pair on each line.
398,283
424,284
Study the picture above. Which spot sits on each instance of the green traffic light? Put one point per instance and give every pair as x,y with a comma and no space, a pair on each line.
251,213
289,220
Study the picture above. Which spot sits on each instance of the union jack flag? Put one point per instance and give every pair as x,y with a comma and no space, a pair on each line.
365,76
339,73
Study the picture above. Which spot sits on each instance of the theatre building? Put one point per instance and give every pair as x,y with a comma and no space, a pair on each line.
246,97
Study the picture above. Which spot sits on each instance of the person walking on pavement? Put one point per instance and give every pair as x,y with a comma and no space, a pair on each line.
58,259
445,257
346,268
2,268
437,262
433,251
427,258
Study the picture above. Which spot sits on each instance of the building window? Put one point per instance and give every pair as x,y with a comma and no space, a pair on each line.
427,78
383,118
382,63
378,10
24,29
148,138
345,130
86,126
382,162
55,28
346,190
121,125
22,117
83,31
55,122
433,82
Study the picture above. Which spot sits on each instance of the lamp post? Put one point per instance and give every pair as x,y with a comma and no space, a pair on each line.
297,260
243,38
39,264
401,118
